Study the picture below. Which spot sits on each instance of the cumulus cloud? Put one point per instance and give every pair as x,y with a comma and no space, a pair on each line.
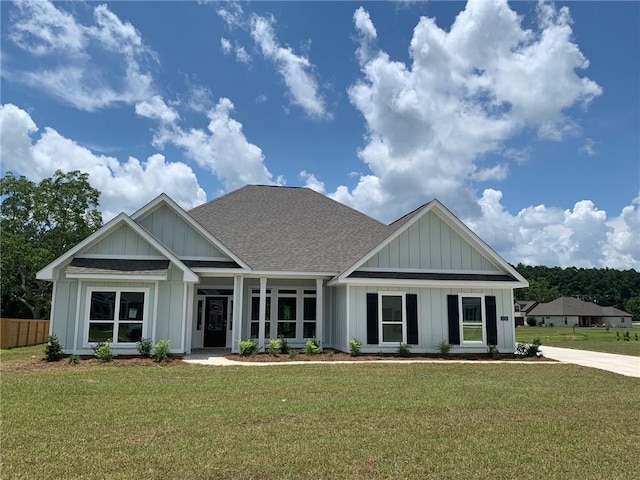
466,92
312,182
42,29
222,148
155,108
123,186
238,50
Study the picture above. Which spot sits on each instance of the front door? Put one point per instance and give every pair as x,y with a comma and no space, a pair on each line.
215,322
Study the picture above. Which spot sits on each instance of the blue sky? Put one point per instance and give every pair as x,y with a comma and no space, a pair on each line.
523,118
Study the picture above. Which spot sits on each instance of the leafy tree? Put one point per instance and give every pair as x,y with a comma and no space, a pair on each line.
632,306
39,222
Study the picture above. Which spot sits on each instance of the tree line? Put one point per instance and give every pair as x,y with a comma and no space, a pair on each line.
604,286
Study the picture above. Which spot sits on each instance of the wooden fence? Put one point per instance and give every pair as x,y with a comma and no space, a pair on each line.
22,333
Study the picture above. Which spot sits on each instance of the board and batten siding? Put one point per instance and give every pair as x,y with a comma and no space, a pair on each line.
177,235
170,310
430,244
432,316
338,319
63,318
123,241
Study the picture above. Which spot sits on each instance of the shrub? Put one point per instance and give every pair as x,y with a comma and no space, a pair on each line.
311,348
161,350
274,347
627,336
73,359
404,350
145,345
445,347
529,350
103,352
247,347
284,346
493,352
53,350
354,347
531,321
292,353
330,353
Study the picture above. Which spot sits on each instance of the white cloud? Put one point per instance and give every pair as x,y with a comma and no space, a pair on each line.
296,70
41,28
222,148
225,45
156,108
239,51
466,93
123,187
312,182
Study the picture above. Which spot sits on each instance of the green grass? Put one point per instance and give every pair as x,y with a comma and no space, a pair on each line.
587,338
355,421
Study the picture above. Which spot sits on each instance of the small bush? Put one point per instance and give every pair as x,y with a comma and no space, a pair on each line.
404,350
493,352
354,347
284,346
73,359
445,347
330,353
161,350
103,352
145,345
529,350
531,321
274,347
247,347
311,348
292,353
627,336
53,350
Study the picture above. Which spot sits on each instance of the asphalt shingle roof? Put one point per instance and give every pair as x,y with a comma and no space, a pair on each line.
567,306
290,229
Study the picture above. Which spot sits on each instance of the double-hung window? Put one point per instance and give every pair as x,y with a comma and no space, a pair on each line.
255,313
472,319
393,318
287,313
309,314
117,315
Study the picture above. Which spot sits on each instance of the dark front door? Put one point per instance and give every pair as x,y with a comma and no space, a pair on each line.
215,322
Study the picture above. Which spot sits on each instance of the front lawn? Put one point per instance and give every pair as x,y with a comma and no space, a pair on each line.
357,421
584,338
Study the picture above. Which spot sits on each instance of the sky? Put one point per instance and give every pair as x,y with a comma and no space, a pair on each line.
523,118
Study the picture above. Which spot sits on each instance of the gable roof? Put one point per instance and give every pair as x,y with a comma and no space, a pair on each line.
289,229
404,223
567,306
48,272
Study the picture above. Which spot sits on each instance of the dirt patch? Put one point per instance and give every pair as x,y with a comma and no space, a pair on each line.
345,357
37,363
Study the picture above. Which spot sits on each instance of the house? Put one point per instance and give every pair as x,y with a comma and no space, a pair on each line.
521,309
265,262
572,312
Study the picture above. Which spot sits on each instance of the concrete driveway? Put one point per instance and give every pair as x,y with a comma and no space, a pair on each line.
621,364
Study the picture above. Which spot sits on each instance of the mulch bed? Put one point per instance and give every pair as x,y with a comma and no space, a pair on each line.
37,363
345,357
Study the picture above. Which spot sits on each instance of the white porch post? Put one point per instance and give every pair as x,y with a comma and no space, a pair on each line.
238,307
319,311
261,315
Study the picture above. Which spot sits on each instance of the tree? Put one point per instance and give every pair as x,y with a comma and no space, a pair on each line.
632,306
39,222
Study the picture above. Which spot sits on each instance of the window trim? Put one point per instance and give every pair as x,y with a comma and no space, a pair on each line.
276,292
116,320
483,314
381,322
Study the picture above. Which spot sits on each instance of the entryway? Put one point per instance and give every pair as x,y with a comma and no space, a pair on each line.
215,322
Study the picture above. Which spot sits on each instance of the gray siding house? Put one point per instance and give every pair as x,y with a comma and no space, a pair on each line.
573,312
265,262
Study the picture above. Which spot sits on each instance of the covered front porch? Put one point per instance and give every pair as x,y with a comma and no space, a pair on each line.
229,309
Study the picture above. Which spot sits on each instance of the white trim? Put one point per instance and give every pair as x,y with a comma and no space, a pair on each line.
154,319
289,274
483,316
77,321
106,256
218,272
457,225
207,259
115,277
399,282
116,315
381,322
47,273
163,198
51,310
319,312
348,312
429,270
262,305
184,314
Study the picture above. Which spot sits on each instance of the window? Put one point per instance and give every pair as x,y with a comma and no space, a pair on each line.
472,319
255,314
309,314
116,315
392,318
287,313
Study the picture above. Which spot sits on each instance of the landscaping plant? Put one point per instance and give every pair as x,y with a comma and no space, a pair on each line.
161,350
247,347
274,347
53,350
103,352
144,346
311,348
354,347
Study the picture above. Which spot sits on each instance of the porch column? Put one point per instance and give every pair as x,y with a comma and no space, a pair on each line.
261,315
238,311
319,311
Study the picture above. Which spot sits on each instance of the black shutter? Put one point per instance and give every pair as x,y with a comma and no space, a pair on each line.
492,320
412,319
372,318
454,319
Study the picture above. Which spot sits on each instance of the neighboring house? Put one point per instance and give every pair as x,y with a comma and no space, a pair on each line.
521,309
265,262
571,311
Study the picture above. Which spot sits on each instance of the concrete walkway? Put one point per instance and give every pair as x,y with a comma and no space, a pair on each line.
621,364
